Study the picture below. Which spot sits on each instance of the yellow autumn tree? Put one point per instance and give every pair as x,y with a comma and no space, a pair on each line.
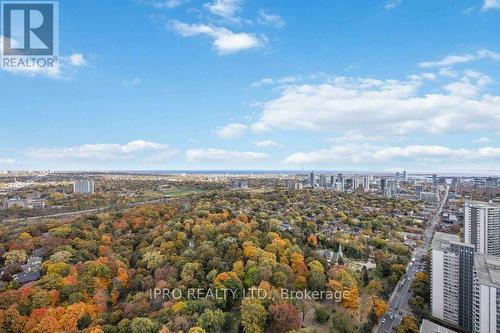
351,298
239,269
421,277
380,306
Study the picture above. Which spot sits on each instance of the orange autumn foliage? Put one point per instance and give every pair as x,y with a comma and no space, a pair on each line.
106,239
298,265
312,240
54,297
122,276
47,320
100,299
105,250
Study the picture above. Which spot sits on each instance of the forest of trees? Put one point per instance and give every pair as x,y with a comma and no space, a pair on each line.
98,271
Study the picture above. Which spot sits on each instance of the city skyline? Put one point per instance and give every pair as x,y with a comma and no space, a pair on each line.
240,85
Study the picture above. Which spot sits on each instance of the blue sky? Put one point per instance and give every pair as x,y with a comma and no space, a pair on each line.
235,84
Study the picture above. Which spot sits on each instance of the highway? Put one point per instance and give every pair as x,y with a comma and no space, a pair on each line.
398,302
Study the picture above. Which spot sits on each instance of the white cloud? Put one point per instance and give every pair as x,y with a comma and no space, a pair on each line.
260,127
220,155
392,4
461,59
262,82
224,8
383,107
231,131
350,136
224,40
103,151
130,83
7,161
422,76
270,19
416,155
77,60
168,3
268,143
163,4
448,72
483,139
490,4
270,81
470,85
428,76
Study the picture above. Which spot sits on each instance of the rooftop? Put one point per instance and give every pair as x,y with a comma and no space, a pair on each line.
442,240
482,204
34,260
25,277
430,327
488,269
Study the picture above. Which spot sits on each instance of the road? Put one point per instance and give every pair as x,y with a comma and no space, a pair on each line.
398,302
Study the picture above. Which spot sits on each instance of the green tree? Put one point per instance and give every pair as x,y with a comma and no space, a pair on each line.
372,317
342,324
253,316
84,321
366,278
320,315
279,279
212,320
408,325
153,259
143,325
317,280
419,308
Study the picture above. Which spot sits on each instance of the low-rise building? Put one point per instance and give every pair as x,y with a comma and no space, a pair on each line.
332,257
14,202
23,203
285,227
30,271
